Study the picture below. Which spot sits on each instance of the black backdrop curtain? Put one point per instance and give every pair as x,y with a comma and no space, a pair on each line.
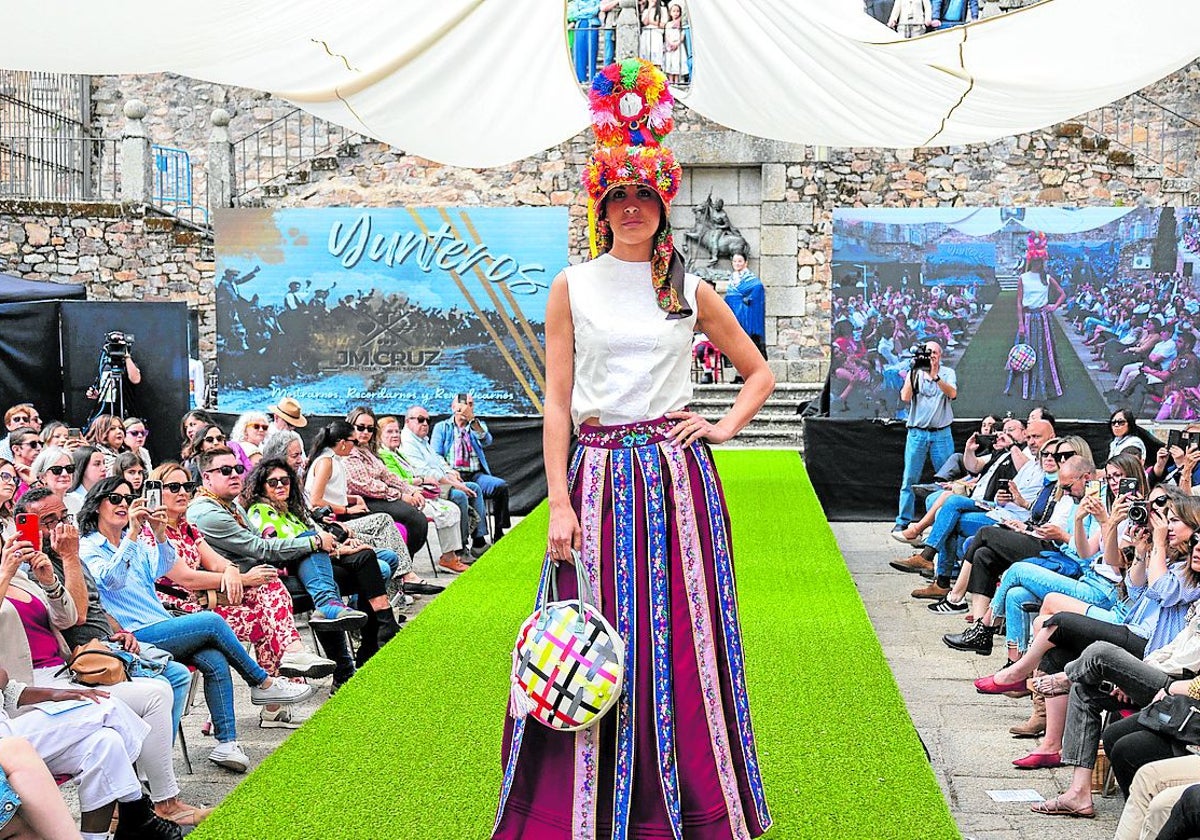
30,366
856,465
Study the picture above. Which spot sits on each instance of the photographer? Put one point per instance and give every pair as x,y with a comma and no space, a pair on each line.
928,389
116,362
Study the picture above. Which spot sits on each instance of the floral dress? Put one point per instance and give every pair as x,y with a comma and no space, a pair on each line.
263,619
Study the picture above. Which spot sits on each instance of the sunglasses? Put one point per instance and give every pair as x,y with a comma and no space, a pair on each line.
1064,455
31,444
1161,501
138,433
176,486
120,498
282,481
69,469
1118,422
362,427
227,470
20,419
259,426
214,439
421,419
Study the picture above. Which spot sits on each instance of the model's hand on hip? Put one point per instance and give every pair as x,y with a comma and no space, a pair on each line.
692,427
564,533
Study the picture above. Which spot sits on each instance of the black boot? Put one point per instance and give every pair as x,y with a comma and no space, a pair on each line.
977,638
387,625
137,821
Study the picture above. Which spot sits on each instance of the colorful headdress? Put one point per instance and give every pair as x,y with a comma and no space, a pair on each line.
1035,246
631,113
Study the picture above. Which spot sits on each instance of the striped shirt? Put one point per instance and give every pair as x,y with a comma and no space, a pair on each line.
125,576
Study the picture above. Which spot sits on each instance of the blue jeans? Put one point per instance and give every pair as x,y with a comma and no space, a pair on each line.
921,444
464,503
316,574
479,501
942,535
207,642
587,40
389,562
1024,583
610,45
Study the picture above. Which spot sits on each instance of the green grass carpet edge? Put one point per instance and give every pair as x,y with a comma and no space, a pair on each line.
411,747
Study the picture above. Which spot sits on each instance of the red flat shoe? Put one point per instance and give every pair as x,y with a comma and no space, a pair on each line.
1039,761
988,685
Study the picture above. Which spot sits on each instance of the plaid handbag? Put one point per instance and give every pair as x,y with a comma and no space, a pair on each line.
568,662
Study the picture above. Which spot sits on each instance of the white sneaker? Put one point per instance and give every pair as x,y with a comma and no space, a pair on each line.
303,663
280,691
230,756
281,718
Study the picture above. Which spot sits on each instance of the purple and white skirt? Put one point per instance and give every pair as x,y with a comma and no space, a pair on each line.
675,758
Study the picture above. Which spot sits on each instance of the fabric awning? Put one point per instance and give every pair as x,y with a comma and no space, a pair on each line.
487,82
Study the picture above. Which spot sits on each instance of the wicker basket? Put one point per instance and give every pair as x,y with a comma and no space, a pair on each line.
1103,781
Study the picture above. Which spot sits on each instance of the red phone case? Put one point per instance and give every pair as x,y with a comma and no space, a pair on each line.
29,529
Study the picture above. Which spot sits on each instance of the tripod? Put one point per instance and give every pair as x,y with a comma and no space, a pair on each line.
111,389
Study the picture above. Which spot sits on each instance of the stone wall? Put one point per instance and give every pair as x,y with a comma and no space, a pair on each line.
119,251
781,195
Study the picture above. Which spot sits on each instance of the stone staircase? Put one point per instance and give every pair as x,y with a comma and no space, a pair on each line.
777,426
287,153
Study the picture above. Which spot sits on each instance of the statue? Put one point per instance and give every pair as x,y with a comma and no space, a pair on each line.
713,232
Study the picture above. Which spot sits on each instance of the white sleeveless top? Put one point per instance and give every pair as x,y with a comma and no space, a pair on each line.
631,362
1035,291
335,487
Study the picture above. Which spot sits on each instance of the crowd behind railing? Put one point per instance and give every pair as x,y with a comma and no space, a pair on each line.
665,36
124,581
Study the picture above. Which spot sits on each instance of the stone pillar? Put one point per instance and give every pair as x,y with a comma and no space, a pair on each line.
137,158
220,162
629,28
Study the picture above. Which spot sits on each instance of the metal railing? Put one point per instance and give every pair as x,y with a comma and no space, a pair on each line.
1150,130
594,47
280,147
173,182
60,168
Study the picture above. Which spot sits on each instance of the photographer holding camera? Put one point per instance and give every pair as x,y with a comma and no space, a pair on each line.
928,389
117,375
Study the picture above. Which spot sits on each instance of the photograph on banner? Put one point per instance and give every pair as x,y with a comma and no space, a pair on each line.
391,307
1081,310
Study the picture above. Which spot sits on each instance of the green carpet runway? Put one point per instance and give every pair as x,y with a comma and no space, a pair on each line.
410,748
981,372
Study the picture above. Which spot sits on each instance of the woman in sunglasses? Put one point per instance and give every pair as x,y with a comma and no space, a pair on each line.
207,436
54,469
8,490
26,446
256,605
89,468
125,569
130,467
136,434
107,434
249,432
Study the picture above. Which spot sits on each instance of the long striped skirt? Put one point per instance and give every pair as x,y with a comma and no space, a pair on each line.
675,758
1042,381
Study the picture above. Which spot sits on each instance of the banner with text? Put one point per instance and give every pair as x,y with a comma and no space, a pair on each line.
388,307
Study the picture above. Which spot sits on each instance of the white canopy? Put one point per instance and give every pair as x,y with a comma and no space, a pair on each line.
485,82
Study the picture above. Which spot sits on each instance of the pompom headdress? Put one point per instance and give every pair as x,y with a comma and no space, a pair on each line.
1035,246
631,109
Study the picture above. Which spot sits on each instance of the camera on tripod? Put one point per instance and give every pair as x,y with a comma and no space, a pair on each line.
922,357
116,348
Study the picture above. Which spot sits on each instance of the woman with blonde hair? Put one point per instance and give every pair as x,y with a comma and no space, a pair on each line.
249,432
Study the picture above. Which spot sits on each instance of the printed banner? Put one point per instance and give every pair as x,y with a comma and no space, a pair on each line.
387,307
1081,310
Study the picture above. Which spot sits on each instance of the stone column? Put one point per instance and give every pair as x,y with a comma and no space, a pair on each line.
629,28
220,162
137,158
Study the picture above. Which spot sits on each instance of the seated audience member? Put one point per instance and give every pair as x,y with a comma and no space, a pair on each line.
278,511
461,439
60,542
415,439
125,569
57,434
107,435
249,432
1174,465
33,611
130,467
136,434
95,743
381,491
1064,533
1127,434
286,416
191,422
8,489
89,468
54,470
325,486
1155,792
286,446
257,606
205,439
31,807
20,416
25,445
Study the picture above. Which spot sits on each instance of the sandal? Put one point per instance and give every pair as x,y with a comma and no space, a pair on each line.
1057,808
185,815
1051,685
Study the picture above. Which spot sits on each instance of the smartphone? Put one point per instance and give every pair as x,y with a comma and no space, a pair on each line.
1127,485
1175,438
1002,485
29,529
1107,686
985,441
74,433
152,493
1092,488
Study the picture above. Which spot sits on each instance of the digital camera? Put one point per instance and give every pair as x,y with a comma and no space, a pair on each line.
922,357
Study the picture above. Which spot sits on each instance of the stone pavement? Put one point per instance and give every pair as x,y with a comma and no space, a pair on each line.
966,733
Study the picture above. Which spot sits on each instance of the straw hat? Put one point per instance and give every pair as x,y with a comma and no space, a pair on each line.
288,409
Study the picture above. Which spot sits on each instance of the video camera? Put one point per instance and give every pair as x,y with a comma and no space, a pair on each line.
116,347
922,357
